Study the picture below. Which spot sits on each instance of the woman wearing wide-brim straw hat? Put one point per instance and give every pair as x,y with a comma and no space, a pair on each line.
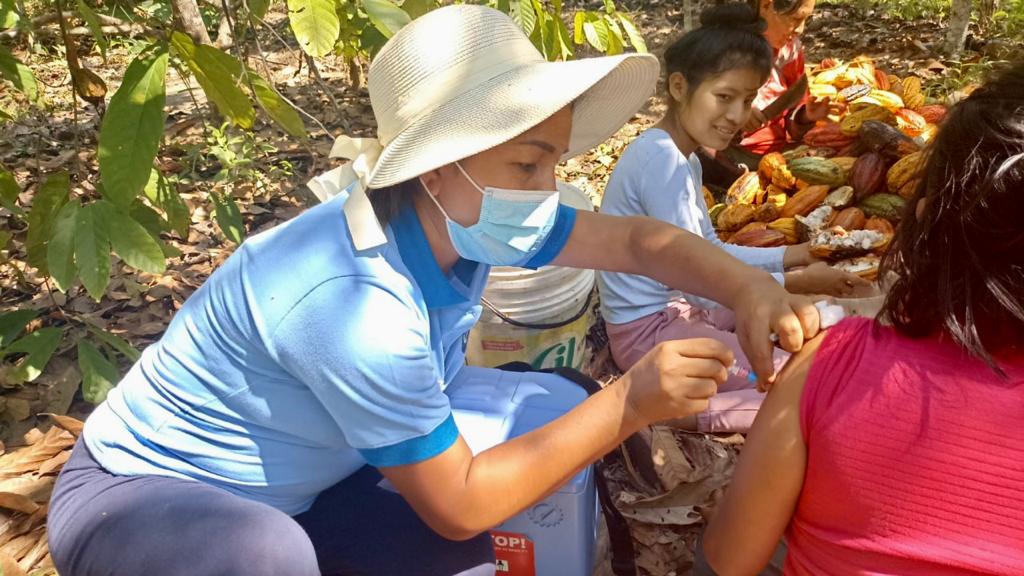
251,438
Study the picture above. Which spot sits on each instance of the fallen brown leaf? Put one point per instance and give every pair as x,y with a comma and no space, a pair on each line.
72,425
17,502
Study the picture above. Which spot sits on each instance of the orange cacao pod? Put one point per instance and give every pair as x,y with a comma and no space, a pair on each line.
879,224
881,80
804,201
909,122
932,113
759,238
828,135
850,219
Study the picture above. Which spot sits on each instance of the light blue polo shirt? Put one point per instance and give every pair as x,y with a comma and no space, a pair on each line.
300,360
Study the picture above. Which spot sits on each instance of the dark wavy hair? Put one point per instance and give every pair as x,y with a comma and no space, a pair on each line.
960,266
730,36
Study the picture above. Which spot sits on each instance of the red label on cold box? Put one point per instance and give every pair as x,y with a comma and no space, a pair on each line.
513,553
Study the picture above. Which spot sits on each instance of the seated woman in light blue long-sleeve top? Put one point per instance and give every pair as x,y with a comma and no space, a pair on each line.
714,73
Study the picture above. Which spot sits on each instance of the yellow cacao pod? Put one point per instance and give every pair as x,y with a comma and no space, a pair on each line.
851,124
709,198
736,216
788,228
916,101
903,176
887,99
744,190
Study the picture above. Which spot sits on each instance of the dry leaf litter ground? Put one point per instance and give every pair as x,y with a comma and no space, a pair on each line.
39,422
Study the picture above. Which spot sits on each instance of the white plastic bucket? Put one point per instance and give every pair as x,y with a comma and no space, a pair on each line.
542,315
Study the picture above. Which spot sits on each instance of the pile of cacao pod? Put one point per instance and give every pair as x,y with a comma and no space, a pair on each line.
854,171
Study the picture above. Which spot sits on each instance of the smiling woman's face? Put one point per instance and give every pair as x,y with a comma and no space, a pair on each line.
526,162
719,107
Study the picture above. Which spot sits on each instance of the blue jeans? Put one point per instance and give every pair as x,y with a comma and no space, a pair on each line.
102,524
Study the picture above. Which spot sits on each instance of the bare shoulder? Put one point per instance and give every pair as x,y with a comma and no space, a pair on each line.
791,380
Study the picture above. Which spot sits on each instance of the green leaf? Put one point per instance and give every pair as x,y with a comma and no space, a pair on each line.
315,24
130,240
148,218
616,43
99,376
577,28
220,76
92,249
154,225
522,13
258,8
417,8
564,41
18,74
12,323
61,248
279,111
49,198
596,33
229,218
132,127
609,6
165,197
8,14
636,39
115,342
9,191
386,16
38,348
95,28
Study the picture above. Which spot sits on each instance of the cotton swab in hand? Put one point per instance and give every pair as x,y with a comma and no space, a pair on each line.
829,315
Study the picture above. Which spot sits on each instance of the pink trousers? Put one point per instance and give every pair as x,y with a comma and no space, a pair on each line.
734,407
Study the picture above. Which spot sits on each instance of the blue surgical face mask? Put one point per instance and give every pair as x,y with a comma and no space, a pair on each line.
513,225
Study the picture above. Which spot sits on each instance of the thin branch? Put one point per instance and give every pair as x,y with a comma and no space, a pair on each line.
322,85
267,72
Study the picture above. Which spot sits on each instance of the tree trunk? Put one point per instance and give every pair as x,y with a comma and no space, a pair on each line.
959,19
186,12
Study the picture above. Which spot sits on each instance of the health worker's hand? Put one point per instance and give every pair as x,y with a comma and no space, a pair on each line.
676,378
763,308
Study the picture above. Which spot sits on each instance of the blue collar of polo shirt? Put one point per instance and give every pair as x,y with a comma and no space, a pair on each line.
436,287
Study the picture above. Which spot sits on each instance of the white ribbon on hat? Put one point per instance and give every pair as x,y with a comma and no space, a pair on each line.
362,221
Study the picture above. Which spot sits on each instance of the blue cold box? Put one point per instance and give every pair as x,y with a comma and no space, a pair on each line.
490,407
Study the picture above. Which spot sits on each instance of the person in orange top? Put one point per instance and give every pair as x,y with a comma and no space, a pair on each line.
782,112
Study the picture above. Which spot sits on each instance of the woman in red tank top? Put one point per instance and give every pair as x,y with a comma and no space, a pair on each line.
895,450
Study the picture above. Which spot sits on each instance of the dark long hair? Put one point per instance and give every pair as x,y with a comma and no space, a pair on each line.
730,36
960,266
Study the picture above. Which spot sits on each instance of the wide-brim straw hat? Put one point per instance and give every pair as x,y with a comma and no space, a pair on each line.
463,79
